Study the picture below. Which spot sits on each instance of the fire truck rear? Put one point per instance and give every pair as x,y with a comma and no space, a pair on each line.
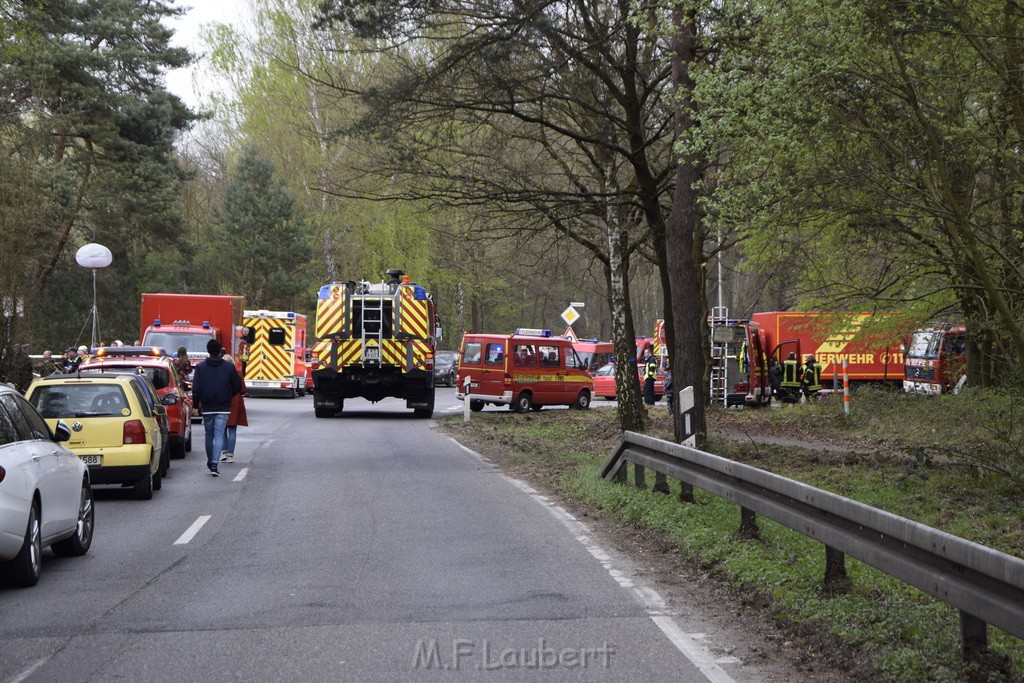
375,341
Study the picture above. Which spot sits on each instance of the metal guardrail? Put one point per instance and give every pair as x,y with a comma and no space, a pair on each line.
987,586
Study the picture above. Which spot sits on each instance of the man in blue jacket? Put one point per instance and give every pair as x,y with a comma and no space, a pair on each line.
214,383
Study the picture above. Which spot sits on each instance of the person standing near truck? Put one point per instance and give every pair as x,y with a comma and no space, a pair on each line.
214,384
789,387
650,375
811,380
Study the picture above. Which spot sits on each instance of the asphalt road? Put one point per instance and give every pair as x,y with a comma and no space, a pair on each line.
364,547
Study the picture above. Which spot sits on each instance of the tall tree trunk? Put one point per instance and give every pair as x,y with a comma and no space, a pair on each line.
681,228
627,380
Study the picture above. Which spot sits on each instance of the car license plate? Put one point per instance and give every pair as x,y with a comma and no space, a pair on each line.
261,383
92,459
371,353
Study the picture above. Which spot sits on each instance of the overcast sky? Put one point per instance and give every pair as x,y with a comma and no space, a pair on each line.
186,34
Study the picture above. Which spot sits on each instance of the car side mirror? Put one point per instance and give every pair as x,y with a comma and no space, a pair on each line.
170,399
159,410
61,432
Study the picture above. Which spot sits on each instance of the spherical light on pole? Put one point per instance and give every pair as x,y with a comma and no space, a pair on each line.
94,256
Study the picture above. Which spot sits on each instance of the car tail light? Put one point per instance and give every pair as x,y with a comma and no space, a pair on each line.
134,432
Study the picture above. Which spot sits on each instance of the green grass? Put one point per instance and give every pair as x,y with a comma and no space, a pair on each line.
919,472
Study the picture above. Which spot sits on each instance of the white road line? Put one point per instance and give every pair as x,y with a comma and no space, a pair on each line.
688,644
193,530
241,474
31,670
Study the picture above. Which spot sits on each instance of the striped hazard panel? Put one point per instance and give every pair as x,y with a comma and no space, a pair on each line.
331,317
412,315
266,361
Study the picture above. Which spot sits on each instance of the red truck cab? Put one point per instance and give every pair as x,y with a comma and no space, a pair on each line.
522,371
170,321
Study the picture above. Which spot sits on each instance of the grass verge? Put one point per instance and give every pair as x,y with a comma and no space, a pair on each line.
881,628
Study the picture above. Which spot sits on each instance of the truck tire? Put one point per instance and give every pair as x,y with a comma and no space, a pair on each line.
323,412
423,413
523,402
476,406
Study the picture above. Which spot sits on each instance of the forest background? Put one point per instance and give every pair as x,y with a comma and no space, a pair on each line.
849,155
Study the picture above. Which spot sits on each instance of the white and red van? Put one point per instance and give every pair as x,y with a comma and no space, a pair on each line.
523,371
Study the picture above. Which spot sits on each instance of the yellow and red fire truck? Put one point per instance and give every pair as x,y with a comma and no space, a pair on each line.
375,340
276,352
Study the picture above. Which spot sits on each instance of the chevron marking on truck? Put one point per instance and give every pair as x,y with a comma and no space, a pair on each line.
837,342
268,362
330,317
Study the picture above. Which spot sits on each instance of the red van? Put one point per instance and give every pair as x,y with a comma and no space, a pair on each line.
523,371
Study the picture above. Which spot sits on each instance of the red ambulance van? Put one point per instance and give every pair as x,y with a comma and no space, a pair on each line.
525,371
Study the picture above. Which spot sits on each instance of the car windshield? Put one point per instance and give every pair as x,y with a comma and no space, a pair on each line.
80,400
445,358
605,371
193,343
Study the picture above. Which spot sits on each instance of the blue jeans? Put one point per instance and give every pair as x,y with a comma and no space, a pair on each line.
214,426
229,439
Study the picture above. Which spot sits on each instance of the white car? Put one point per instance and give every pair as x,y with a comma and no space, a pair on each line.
45,492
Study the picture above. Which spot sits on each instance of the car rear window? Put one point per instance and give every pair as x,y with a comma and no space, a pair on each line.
80,400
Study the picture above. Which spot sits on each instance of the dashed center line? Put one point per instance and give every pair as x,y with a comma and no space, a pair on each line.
191,532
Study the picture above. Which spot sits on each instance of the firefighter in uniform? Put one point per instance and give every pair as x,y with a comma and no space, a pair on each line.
243,355
789,387
650,373
811,380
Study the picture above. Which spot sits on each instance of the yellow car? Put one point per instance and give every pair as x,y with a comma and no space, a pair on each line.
114,427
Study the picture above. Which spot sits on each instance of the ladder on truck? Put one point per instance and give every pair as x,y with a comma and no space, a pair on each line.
373,323
719,357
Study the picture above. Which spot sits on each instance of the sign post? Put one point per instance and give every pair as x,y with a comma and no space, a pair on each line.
466,384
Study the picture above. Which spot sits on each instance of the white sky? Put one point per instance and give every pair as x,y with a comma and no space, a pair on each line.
186,34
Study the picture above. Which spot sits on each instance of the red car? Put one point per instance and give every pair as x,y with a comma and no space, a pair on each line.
604,383
154,362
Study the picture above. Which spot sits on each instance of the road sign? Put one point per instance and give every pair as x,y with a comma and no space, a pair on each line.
570,315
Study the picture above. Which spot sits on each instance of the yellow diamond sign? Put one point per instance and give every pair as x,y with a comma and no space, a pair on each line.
570,315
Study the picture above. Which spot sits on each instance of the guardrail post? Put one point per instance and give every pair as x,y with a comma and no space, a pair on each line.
686,492
748,524
660,483
973,635
639,476
836,579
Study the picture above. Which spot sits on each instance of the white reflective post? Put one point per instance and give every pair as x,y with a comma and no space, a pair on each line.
686,410
466,384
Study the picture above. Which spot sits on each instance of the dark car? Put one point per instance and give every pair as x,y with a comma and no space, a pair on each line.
446,368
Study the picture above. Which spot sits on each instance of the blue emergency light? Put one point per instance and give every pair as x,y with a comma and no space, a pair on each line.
206,324
156,322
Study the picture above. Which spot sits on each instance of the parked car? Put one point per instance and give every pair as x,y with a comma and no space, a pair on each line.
604,383
158,367
446,368
45,492
114,424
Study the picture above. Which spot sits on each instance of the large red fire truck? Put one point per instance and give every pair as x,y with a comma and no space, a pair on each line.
171,321
375,340
936,359
741,349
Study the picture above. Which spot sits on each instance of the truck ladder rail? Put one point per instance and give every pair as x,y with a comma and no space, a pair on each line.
719,389
372,303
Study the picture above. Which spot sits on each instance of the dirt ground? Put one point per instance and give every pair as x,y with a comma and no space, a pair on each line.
698,597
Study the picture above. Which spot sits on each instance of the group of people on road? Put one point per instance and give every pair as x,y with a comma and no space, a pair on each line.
792,380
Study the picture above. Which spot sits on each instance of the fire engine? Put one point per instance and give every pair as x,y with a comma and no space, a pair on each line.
277,352
191,320
375,340
741,351
936,359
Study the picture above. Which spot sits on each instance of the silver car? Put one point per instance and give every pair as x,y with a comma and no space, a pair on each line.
45,492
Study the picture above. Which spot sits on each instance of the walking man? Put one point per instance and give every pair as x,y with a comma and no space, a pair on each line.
214,384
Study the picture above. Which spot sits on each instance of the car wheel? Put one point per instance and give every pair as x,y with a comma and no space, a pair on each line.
165,459
476,406
523,402
79,543
582,401
144,487
23,570
188,442
178,449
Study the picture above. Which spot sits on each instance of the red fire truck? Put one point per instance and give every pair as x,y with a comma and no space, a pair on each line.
171,321
277,352
741,351
936,359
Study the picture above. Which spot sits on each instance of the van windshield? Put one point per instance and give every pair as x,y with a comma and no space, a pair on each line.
925,345
471,353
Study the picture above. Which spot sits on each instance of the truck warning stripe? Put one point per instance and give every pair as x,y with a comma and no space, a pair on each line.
330,317
412,317
268,362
